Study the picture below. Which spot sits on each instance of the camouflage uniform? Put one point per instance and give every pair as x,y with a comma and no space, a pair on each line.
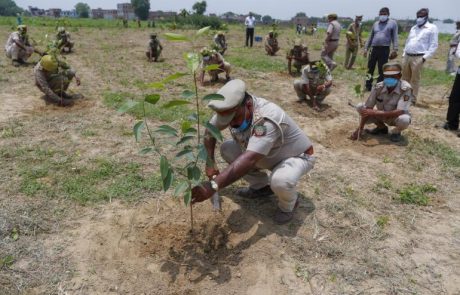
54,84
155,46
63,41
354,42
15,52
217,59
220,43
299,54
271,45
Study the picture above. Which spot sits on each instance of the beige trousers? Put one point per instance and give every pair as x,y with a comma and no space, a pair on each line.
400,123
215,73
412,72
283,178
16,53
298,87
327,55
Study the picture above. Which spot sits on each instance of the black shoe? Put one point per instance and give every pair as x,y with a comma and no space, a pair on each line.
16,63
284,217
449,127
251,193
378,131
395,137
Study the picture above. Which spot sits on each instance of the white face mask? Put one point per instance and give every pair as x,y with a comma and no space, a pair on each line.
383,18
420,21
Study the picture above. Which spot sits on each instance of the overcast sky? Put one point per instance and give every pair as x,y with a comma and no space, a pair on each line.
283,9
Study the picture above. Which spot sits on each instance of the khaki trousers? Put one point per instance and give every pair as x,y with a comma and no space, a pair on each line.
401,123
412,72
16,53
353,52
283,178
298,87
215,73
327,55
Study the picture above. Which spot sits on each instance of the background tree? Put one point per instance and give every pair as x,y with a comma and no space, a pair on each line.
199,7
82,9
141,8
184,13
300,14
266,19
9,8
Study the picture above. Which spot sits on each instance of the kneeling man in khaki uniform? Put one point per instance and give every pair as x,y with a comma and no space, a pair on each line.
393,98
264,137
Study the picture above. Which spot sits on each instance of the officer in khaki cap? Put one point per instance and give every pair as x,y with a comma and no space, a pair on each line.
392,97
264,137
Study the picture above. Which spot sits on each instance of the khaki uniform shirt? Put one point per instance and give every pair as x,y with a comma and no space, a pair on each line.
333,31
215,58
399,99
272,133
154,44
355,38
299,53
43,77
315,79
220,41
15,36
272,42
455,39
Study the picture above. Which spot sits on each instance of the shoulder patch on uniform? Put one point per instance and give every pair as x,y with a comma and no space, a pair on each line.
260,130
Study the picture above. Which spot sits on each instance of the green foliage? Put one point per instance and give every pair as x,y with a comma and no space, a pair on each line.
199,7
246,59
199,21
436,77
449,157
416,194
6,261
9,8
382,221
141,8
82,9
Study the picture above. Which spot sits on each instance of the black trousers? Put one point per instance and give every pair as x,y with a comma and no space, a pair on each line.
249,35
379,55
453,111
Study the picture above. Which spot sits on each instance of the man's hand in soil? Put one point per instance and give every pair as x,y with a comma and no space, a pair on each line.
365,113
357,134
320,88
202,192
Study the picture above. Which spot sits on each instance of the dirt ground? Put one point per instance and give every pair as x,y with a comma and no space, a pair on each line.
350,234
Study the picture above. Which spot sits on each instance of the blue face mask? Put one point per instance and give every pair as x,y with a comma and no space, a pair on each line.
390,82
245,125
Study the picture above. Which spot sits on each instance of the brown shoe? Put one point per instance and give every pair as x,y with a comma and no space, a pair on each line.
282,217
251,193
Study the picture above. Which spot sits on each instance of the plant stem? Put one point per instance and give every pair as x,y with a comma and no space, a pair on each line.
197,108
191,219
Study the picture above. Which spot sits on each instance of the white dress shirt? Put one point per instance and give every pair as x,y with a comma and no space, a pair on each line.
250,21
422,40
457,53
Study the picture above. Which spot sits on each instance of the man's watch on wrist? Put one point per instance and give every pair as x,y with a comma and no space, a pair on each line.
214,185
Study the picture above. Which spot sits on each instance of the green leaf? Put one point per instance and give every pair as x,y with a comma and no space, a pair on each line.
164,166
175,103
193,61
145,150
166,129
193,173
6,261
185,139
180,188
202,31
188,94
176,37
174,77
152,98
190,131
202,152
212,67
156,85
214,96
168,180
187,197
129,104
184,152
185,126
15,234
214,131
137,129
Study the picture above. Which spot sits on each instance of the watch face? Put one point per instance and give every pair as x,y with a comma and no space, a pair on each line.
214,185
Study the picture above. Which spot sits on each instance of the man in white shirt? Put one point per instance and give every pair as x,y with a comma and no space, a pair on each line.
453,112
421,44
250,22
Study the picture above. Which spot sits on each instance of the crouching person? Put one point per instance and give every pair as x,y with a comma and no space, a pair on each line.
53,77
392,99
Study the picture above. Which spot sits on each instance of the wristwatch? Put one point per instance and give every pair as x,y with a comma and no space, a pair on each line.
214,185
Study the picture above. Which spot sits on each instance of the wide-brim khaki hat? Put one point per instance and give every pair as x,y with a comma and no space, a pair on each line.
233,93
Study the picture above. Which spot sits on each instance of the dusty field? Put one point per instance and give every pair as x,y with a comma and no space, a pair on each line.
81,212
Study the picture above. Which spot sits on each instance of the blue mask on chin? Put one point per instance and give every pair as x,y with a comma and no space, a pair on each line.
245,125
390,82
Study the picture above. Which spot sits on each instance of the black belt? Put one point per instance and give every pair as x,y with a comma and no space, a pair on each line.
415,54
333,39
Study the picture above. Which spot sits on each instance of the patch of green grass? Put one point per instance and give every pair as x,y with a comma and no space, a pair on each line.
6,261
59,176
449,157
416,194
88,133
435,77
382,221
249,59
384,182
